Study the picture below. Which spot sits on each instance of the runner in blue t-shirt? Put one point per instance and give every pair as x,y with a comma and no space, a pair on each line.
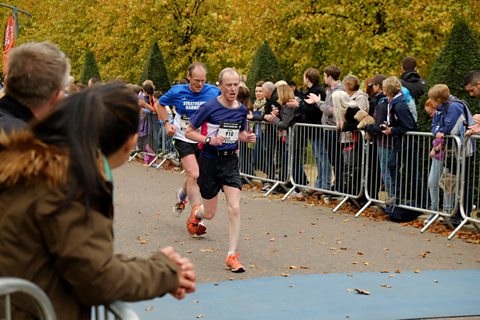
222,123
187,98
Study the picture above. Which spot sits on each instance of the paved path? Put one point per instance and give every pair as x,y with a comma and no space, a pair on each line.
277,237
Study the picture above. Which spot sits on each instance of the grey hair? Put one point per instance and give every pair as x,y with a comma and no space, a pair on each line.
268,86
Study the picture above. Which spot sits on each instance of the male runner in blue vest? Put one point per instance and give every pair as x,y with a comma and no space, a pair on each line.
187,98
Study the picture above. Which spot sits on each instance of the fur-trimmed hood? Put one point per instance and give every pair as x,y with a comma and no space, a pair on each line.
25,159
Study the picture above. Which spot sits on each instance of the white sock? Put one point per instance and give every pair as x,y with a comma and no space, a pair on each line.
231,253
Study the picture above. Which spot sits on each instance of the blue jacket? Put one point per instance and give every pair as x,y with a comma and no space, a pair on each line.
400,118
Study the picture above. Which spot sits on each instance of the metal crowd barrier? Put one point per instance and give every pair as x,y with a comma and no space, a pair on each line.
265,160
412,181
320,158
470,187
326,160
153,142
118,310
10,286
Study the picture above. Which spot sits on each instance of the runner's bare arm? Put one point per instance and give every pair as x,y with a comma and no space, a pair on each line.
163,115
192,134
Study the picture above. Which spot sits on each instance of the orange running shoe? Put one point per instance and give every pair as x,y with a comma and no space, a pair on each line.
233,264
195,225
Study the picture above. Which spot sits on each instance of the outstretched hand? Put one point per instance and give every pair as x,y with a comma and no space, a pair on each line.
186,273
312,98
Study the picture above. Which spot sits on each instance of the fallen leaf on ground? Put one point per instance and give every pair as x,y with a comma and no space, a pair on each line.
200,316
424,254
149,308
417,271
360,253
361,291
272,239
143,241
208,250
285,274
385,285
196,301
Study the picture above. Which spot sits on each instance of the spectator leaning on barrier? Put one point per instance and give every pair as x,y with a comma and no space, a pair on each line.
37,75
285,119
351,85
313,115
58,195
452,117
404,154
379,103
471,83
330,142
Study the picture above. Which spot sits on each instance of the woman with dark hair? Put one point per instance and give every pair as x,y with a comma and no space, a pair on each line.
57,209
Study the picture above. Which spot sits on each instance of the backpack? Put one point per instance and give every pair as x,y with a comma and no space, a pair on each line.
397,214
410,103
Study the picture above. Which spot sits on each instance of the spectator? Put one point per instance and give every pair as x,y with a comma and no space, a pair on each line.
351,85
309,113
402,163
411,79
379,103
63,208
331,76
92,81
267,143
296,92
285,119
37,74
345,109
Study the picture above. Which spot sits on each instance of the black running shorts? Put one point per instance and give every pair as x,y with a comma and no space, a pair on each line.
216,173
186,148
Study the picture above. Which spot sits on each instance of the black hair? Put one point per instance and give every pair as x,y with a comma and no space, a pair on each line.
99,118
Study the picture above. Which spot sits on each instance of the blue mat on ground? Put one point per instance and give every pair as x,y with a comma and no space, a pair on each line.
426,294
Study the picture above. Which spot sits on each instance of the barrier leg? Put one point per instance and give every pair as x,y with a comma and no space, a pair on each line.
340,204
432,220
363,208
271,189
460,226
289,192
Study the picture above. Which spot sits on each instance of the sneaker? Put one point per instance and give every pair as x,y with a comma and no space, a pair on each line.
326,198
455,220
180,204
298,195
195,225
233,264
266,186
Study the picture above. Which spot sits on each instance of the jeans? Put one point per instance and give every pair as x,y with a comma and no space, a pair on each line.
383,154
433,177
324,167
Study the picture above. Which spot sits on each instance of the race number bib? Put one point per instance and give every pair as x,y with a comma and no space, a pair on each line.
230,131
184,122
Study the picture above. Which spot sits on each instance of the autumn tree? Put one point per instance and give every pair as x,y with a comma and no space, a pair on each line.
90,68
450,69
155,69
264,67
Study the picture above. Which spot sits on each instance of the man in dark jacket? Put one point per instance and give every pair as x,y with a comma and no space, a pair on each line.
37,73
411,79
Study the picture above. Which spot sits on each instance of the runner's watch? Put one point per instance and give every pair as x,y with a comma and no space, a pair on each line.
207,140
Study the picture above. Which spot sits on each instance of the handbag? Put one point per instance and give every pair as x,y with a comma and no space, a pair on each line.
447,182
